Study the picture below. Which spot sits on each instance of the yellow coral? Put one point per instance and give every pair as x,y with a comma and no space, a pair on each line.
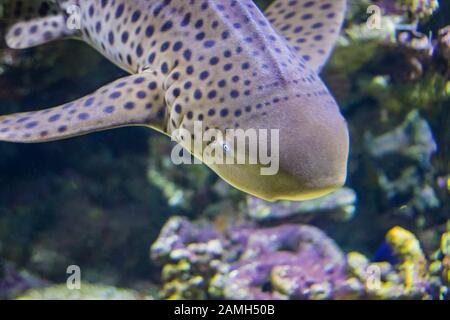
445,244
420,8
445,249
404,244
412,261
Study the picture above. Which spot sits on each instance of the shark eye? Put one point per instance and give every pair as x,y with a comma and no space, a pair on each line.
226,148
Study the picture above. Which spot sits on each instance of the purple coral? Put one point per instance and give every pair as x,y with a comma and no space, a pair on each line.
389,7
290,261
249,262
13,282
176,236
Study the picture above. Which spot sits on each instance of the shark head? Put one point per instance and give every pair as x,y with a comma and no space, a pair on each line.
302,156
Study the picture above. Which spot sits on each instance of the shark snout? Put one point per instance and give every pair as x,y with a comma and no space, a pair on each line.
310,152
314,148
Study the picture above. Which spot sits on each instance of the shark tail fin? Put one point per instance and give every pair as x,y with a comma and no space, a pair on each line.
130,101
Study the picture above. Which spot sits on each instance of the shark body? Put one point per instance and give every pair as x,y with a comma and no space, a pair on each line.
222,62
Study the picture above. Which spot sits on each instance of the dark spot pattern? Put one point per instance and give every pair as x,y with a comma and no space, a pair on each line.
207,61
99,110
28,34
311,26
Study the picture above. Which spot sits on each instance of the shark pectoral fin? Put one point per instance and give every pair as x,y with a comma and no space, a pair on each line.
38,31
133,100
311,26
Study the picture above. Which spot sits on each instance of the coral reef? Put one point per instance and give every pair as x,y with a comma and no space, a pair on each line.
188,252
12,281
439,269
404,278
412,146
407,273
285,262
293,262
289,261
339,205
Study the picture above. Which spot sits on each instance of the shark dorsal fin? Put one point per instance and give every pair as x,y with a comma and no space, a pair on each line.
311,26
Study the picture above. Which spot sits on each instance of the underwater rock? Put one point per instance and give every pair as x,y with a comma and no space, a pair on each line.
190,254
13,282
403,163
412,139
86,292
439,270
248,262
416,41
285,262
175,237
293,261
339,205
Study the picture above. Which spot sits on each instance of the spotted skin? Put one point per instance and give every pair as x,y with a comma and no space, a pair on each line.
129,101
35,22
311,27
220,62
38,31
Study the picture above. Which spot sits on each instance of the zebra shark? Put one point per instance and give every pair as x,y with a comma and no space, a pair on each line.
222,62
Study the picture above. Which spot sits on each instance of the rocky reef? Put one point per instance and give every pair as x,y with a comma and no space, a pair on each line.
247,262
439,269
293,261
340,206
14,282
